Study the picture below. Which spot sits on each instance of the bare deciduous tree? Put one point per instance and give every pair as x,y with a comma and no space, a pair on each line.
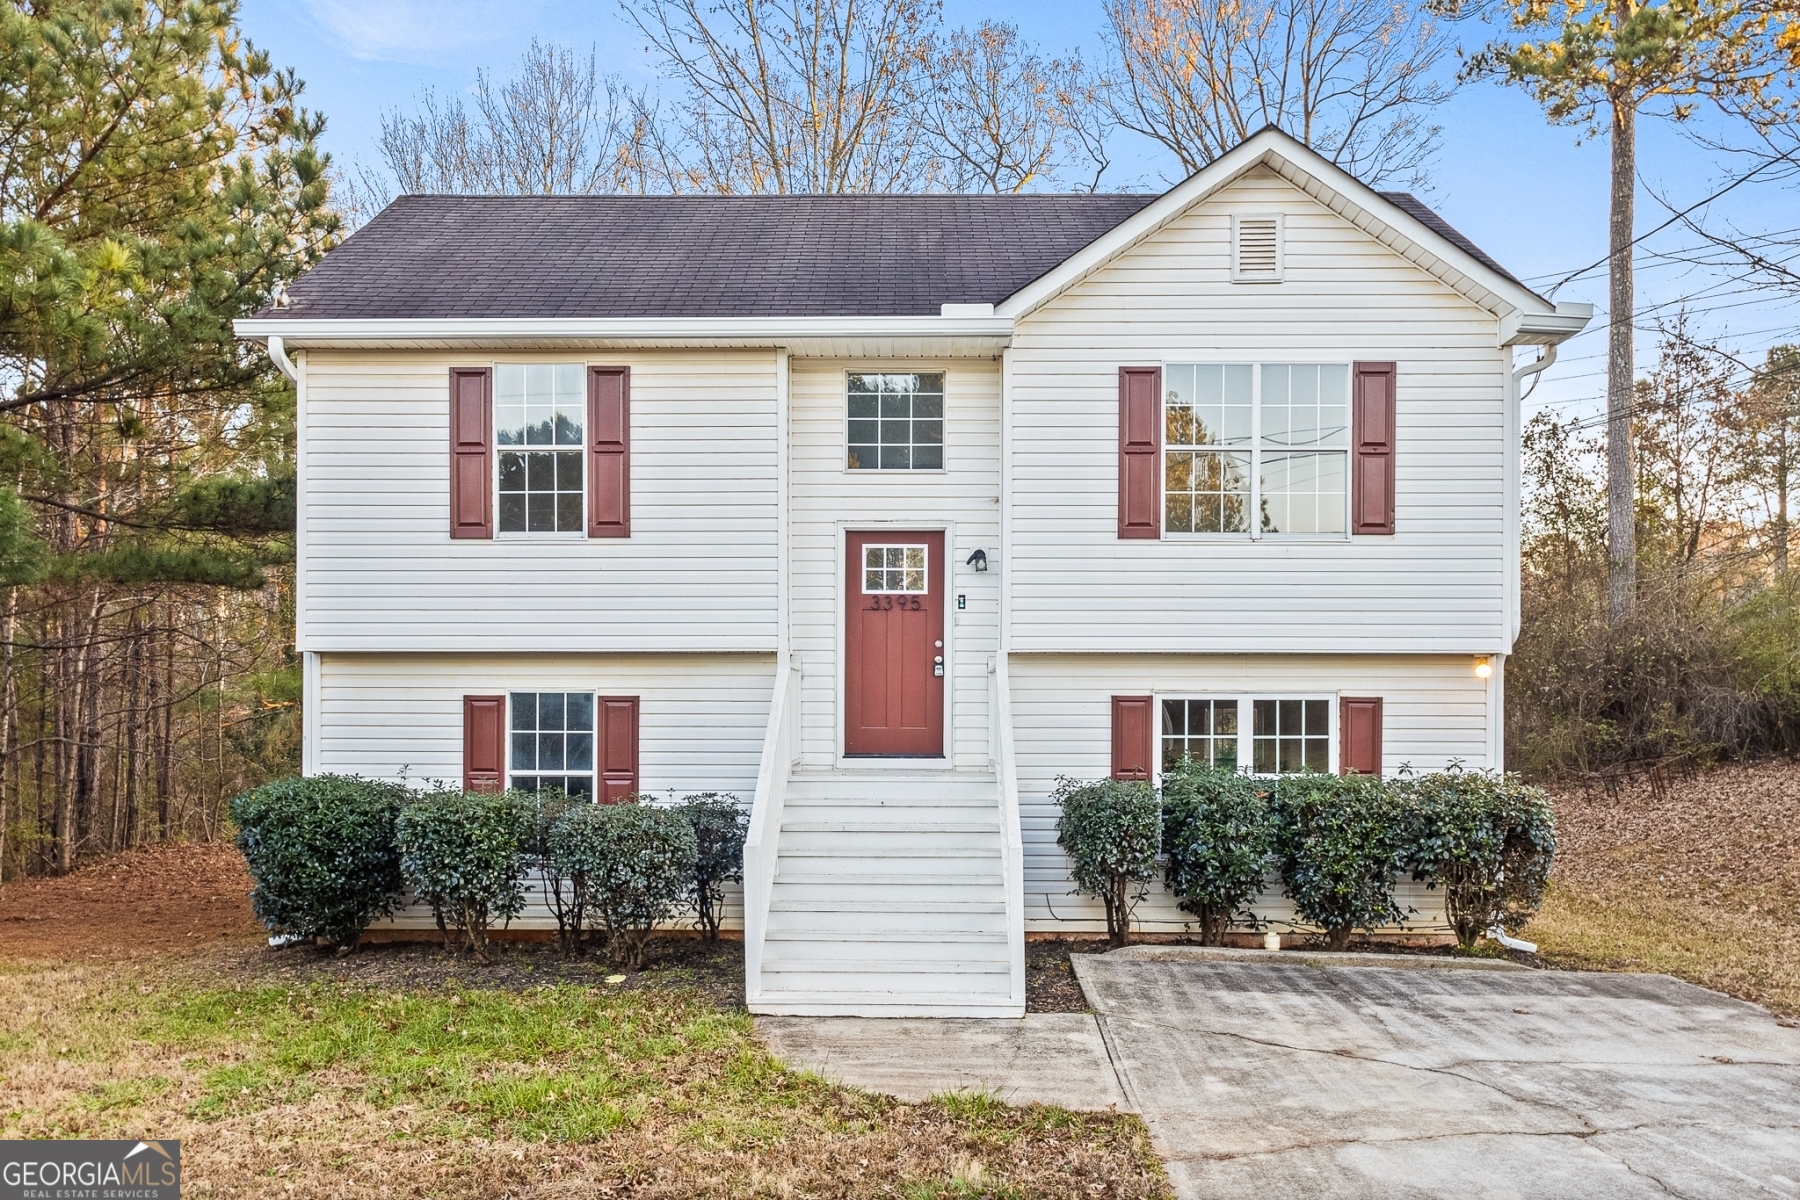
1353,79
556,127
1763,427
798,95
1003,117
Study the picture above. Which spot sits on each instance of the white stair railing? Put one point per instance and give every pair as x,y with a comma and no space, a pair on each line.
1012,846
762,846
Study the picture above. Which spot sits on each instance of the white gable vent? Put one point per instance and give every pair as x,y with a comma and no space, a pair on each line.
1256,247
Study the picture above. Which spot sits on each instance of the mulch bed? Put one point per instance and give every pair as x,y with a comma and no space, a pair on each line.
714,969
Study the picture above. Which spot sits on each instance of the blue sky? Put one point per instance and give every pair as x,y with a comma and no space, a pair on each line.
1533,195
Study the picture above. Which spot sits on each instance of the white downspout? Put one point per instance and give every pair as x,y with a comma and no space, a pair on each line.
278,356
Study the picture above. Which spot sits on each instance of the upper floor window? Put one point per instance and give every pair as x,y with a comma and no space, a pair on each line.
539,414
896,422
1256,448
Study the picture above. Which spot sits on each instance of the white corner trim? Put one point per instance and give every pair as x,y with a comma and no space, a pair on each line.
309,713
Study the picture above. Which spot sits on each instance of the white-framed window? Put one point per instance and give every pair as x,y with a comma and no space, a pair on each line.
540,416
889,569
550,742
895,421
1256,448
1266,735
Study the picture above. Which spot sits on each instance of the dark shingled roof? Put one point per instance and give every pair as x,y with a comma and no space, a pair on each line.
1416,208
710,256
698,256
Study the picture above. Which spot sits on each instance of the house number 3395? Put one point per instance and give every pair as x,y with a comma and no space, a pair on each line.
888,603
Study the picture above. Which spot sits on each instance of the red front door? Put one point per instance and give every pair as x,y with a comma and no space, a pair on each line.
894,645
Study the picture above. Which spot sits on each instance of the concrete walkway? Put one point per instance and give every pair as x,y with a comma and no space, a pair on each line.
1260,1078
1385,1076
1044,1058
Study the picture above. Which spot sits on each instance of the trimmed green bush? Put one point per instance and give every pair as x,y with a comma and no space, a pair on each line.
540,811
720,827
1217,834
637,862
1110,830
460,853
1488,841
321,854
1338,841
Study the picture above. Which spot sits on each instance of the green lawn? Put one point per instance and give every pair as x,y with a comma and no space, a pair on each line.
336,1089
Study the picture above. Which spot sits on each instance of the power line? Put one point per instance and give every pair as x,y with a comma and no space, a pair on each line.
1741,179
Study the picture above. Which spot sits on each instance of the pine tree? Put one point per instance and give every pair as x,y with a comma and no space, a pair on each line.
1600,63
158,179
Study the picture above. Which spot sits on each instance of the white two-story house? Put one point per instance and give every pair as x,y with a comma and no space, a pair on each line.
884,512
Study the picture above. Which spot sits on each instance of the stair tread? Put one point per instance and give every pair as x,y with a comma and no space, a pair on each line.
899,906
850,826
865,936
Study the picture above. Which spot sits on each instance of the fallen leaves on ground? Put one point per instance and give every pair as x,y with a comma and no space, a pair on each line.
1701,881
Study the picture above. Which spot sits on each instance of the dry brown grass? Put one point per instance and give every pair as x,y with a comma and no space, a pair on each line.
283,1081
1702,882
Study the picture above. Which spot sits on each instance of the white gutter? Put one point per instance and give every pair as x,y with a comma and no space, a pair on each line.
737,331
278,356
1523,327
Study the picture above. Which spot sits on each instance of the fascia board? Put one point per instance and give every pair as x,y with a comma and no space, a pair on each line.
670,331
1314,175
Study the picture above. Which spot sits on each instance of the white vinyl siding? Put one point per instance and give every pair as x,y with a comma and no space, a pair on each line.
399,716
1434,711
1439,584
826,499
380,572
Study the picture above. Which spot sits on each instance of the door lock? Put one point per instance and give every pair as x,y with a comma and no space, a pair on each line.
937,666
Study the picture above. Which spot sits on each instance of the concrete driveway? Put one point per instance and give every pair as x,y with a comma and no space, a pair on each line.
1259,1078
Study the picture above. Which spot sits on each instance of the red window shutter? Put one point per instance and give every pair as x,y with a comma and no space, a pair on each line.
1359,735
1133,738
618,740
471,452
1372,431
609,452
1140,452
484,743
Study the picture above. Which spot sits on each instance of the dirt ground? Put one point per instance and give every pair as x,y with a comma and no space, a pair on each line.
145,902
1701,881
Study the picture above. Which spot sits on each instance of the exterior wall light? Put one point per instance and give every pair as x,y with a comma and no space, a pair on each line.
978,560
1484,667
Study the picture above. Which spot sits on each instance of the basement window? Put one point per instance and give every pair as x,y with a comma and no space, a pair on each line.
552,742
1268,735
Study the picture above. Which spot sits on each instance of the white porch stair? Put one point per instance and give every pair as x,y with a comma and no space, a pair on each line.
888,899
882,891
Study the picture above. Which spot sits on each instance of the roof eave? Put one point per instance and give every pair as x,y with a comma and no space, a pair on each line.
972,333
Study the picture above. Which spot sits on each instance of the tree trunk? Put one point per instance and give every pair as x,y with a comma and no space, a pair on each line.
1338,937
134,720
1621,371
8,705
1781,500
165,733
